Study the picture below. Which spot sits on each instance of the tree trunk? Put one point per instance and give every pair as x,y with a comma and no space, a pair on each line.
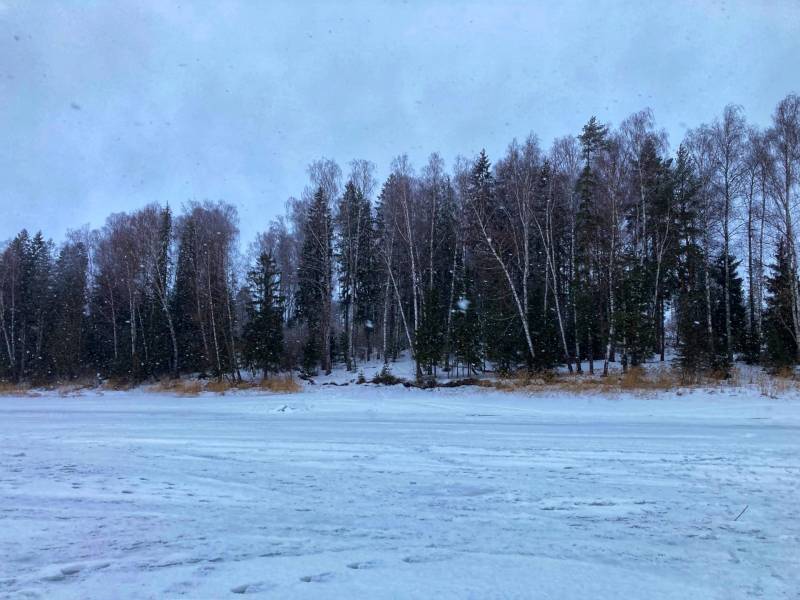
611,307
574,285
213,322
520,310
751,303
727,277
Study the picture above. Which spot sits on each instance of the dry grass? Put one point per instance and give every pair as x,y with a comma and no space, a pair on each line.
777,384
638,380
179,387
63,389
118,385
279,384
8,388
635,379
282,384
220,386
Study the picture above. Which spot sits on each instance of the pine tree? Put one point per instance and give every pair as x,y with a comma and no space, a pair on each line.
314,283
736,308
466,325
34,302
634,321
585,284
508,287
263,333
429,342
193,353
693,346
164,353
651,225
67,336
353,245
662,257
369,289
781,345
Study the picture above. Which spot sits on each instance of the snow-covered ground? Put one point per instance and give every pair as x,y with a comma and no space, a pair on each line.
373,492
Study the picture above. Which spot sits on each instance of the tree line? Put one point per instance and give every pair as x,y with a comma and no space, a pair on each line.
603,248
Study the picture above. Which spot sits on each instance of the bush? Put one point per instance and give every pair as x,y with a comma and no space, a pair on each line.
385,377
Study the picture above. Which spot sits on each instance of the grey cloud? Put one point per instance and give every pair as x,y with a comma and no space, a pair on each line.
110,105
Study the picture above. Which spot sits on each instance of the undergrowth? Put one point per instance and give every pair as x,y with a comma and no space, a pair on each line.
281,384
635,380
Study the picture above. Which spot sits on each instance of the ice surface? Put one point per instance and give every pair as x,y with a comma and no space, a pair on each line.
374,492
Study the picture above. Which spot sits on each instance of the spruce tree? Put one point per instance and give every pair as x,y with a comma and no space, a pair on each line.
314,283
67,336
429,342
353,245
163,353
693,345
185,303
585,284
634,317
263,333
738,315
466,333
34,302
781,345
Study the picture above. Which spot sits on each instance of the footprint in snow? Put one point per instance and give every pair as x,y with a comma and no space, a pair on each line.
71,569
319,578
420,558
60,573
366,564
251,588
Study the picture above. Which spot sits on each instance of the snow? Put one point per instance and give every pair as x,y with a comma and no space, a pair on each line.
388,492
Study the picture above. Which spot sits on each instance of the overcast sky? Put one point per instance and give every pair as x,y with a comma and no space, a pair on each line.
106,106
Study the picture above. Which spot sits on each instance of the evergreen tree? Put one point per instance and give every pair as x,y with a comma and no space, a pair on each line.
466,325
429,342
585,280
369,289
263,333
738,315
314,283
693,345
353,244
650,227
26,306
193,356
781,345
163,355
34,296
634,321
67,335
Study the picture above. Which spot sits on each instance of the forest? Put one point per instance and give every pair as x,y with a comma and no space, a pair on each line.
606,247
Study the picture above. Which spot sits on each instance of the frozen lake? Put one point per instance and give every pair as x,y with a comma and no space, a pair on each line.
368,492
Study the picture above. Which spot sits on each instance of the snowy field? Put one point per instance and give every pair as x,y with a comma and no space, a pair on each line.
370,492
